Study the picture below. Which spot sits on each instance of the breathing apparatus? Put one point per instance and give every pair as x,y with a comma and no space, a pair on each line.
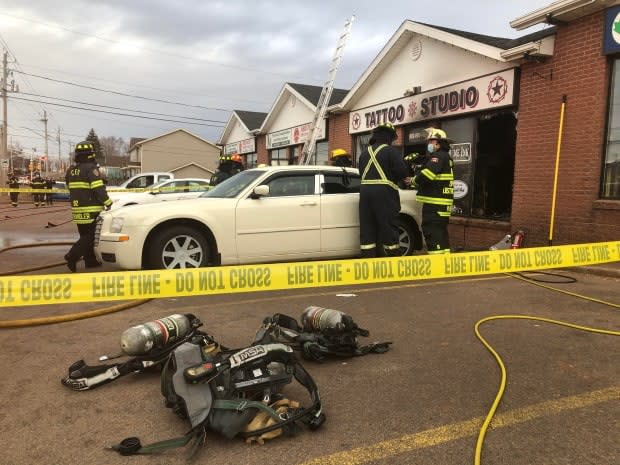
234,392
324,333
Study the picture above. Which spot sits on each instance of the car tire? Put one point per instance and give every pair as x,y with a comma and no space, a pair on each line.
406,237
177,247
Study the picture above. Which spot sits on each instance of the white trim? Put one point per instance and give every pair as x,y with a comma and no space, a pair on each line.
555,10
543,47
229,127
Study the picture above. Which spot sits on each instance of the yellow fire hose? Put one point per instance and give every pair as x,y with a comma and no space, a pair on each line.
500,363
557,167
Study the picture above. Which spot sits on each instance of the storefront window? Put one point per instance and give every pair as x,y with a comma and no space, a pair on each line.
482,149
279,156
251,160
611,168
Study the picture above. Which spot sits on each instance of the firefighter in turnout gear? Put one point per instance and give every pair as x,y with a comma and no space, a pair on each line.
88,198
228,167
38,183
13,183
435,184
382,168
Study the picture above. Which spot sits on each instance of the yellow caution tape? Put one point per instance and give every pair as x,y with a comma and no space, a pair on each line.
122,285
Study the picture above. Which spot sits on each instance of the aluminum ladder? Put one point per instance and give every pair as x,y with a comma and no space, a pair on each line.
307,152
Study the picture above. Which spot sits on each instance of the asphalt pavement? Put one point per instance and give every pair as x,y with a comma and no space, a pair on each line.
423,402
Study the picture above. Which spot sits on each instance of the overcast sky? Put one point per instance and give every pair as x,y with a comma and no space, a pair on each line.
214,56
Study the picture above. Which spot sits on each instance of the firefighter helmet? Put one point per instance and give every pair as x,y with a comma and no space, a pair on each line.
236,158
436,134
340,153
84,151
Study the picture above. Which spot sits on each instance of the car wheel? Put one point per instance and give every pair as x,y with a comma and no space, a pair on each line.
178,247
406,237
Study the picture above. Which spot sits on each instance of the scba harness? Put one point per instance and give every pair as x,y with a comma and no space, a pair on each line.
323,333
235,393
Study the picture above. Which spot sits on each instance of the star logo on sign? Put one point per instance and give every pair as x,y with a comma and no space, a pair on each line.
356,121
413,109
497,90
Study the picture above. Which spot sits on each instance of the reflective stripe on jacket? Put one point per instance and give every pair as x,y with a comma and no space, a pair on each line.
387,170
87,192
435,182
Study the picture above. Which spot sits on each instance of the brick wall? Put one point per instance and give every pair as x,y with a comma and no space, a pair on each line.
580,71
338,133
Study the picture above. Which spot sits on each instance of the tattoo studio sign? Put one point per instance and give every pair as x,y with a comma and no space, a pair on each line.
486,92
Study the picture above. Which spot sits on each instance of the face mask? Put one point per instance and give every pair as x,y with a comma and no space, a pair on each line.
430,148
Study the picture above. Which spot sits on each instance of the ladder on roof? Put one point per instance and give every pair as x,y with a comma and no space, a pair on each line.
307,152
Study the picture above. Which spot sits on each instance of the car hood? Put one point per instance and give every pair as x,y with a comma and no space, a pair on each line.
158,211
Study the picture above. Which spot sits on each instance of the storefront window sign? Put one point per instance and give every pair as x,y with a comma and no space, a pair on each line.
461,153
241,147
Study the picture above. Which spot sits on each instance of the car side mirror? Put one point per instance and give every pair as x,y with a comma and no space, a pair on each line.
260,191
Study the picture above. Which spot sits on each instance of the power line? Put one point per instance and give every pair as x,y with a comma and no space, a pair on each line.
123,109
139,86
170,102
115,113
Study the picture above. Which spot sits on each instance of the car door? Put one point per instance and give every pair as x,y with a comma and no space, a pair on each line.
284,225
340,213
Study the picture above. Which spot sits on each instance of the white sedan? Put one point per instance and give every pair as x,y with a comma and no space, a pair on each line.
270,214
166,190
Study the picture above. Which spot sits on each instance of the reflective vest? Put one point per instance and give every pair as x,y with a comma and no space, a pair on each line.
86,191
436,182
373,162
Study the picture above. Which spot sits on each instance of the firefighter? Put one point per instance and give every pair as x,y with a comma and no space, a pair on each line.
228,167
13,183
38,183
88,198
49,185
382,167
435,184
340,157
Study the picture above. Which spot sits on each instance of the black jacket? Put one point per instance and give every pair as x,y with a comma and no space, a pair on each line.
86,191
435,182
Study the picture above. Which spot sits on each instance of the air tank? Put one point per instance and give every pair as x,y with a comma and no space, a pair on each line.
316,318
141,339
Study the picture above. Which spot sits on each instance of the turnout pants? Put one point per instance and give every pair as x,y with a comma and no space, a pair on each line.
435,228
379,207
14,196
85,245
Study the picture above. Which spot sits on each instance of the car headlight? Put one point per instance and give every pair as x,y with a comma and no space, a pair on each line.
117,224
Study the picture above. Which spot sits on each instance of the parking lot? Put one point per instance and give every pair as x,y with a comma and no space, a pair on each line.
423,402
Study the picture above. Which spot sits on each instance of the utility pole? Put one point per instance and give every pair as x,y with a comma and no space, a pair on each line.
46,159
59,154
4,150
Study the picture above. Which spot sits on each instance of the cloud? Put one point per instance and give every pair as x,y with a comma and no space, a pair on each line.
228,55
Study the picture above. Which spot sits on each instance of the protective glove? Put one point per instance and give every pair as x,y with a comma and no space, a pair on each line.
263,420
107,207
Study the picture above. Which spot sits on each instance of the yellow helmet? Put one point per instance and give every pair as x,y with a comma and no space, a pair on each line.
438,134
340,153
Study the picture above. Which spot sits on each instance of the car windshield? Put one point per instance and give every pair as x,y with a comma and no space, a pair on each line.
234,185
